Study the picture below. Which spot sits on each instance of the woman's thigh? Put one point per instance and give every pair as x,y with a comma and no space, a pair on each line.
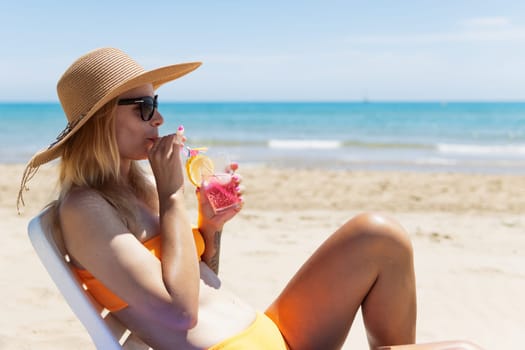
317,307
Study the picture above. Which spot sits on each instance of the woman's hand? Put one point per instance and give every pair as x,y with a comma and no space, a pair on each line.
210,224
208,220
165,160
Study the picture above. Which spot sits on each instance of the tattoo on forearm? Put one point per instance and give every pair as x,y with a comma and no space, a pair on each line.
213,262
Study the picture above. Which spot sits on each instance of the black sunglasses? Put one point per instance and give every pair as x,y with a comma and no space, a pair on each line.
148,105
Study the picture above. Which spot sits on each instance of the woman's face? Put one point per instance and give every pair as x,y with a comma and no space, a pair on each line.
135,136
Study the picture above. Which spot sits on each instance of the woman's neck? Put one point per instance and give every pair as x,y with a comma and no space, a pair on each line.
125,168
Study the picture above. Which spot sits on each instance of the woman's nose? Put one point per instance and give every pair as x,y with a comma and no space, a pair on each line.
157,119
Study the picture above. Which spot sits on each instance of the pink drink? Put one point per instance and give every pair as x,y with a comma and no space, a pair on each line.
221,191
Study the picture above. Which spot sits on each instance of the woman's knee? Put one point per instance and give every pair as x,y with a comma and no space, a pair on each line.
378,233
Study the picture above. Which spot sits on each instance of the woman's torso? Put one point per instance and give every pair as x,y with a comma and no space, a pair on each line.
221,314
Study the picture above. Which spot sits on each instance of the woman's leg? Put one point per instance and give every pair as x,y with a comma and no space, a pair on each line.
443,345
367,263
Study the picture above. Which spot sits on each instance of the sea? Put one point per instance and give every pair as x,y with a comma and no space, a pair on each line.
472,137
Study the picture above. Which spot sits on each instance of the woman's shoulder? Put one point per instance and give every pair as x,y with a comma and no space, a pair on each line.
83,198
84,213
81,204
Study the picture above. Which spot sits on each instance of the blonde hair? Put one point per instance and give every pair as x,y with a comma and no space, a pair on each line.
91,159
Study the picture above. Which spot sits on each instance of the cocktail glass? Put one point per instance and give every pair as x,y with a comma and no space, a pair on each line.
221,191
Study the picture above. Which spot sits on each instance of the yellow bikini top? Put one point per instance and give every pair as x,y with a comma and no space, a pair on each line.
110,300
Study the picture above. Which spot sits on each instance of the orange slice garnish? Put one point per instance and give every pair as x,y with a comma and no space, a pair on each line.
197,167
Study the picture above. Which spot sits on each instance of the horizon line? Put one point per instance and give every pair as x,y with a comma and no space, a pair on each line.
361,101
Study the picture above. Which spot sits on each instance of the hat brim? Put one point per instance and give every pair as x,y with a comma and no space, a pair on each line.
156,77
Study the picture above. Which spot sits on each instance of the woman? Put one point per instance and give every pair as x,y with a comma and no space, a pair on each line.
114,222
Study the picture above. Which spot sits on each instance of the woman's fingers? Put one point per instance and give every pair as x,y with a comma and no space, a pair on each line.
164,158
168,146
237,179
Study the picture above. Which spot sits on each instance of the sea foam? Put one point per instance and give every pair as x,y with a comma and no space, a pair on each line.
472,149
304,144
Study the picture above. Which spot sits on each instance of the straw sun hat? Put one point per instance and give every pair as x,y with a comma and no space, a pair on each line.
88,84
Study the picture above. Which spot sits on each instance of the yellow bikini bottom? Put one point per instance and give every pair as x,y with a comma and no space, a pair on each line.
262,334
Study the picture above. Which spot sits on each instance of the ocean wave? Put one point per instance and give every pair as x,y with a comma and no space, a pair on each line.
439,149
213,142
334,144
304,144
435,161
387,145
468,149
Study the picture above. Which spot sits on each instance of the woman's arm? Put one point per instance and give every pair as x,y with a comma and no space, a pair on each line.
212,242
211,224
180,270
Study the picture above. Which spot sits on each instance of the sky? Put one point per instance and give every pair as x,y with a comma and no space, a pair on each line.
325,50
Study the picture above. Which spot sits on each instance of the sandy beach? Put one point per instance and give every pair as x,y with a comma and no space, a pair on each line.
468,233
